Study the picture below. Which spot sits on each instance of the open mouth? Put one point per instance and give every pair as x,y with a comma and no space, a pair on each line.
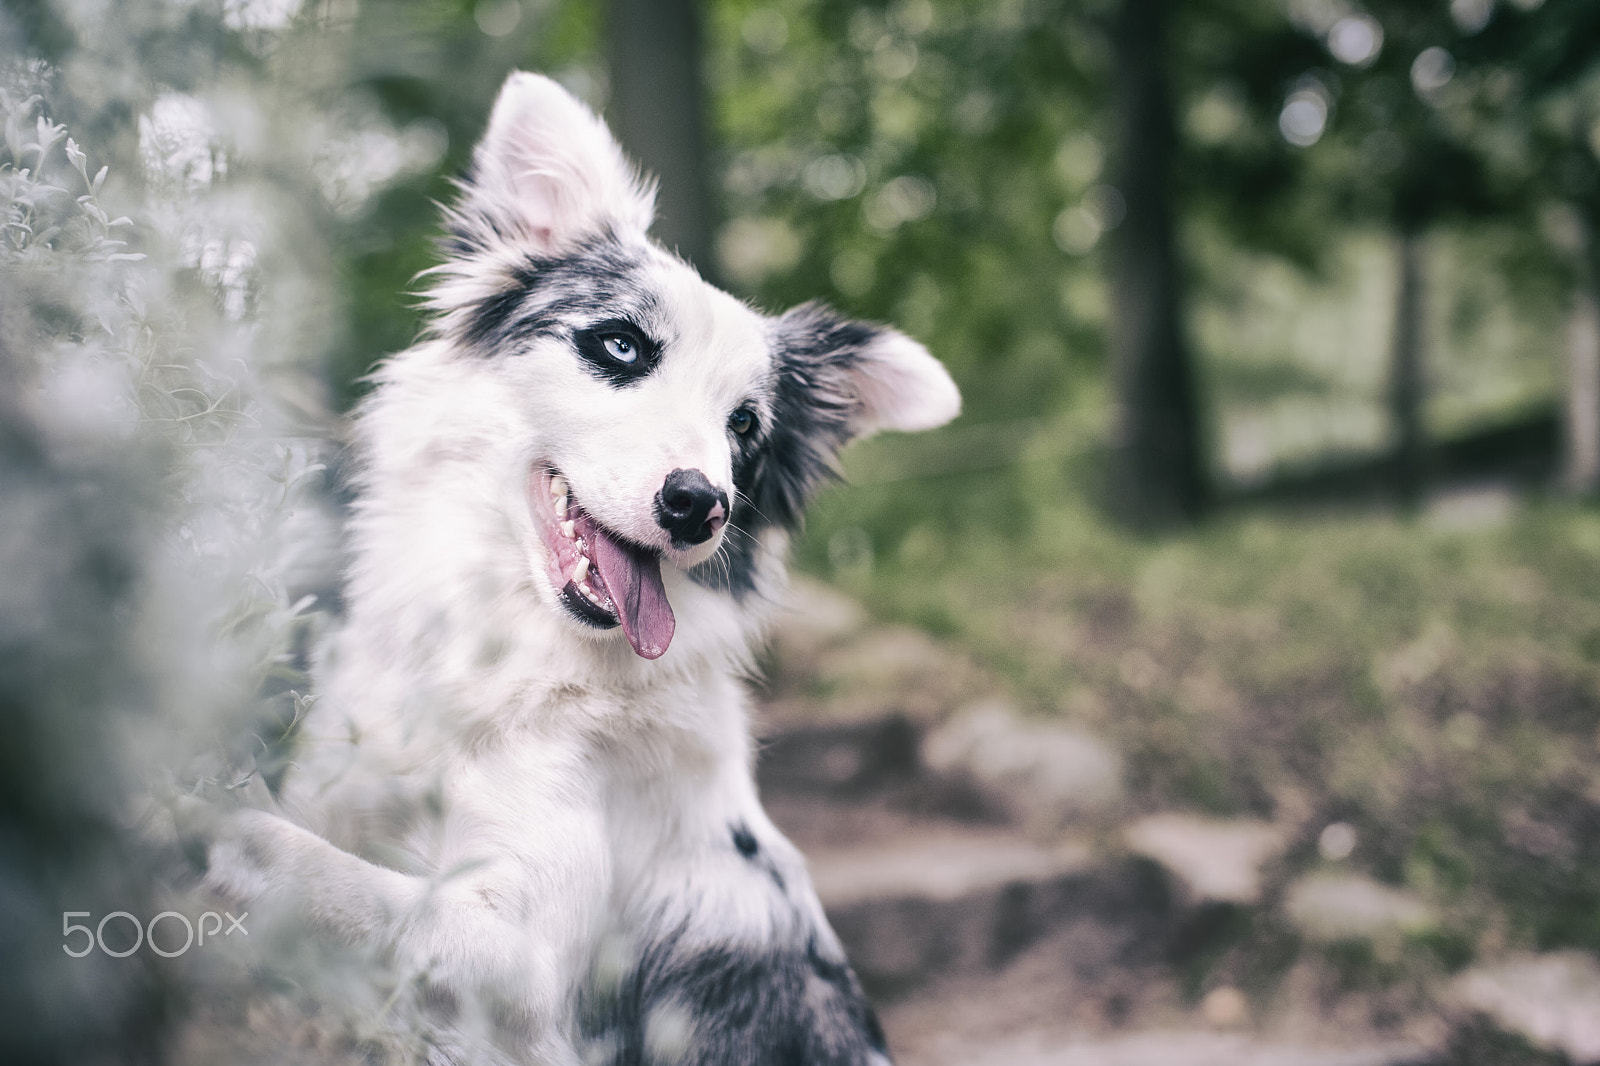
602,579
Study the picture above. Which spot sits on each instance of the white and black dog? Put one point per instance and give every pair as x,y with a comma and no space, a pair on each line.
528,773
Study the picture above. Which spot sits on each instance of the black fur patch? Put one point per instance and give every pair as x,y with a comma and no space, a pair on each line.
746,844
743,1007
591,343
545,294
779,468
745,841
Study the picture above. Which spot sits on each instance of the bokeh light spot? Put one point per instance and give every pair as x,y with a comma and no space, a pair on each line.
908,198
1356,40
765,30
835,177
1471,16
1304,117
496,18
1432,71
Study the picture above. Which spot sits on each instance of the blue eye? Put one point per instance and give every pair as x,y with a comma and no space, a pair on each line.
618,351
620,348
742,421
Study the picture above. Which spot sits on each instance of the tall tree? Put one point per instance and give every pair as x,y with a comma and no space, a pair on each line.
1555,48
1581,417
658,113
1406,372
1160,475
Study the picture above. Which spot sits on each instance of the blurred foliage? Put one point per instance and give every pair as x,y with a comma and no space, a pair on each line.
160,482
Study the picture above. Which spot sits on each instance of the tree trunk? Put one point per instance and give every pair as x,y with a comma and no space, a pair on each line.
1581,417
657,112
1405,382
1159,474
1582,465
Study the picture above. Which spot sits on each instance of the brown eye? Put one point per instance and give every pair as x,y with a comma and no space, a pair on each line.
742,421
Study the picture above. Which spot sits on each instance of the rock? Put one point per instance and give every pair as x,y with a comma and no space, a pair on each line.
1216,860
868,673
946,867
888,657
839,758
946,901
1225,1007
1044,775
831,664
1342,906
815,616
1552,1000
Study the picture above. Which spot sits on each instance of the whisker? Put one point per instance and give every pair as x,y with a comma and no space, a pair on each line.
739,496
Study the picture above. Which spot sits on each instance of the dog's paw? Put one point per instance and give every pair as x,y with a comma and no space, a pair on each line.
194,826
245,853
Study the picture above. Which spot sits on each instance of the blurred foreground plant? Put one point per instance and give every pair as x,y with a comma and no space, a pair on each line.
157,536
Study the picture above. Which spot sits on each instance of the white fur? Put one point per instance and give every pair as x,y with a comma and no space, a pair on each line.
550,168
488,789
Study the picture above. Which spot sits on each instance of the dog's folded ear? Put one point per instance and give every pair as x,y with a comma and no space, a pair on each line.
549,173
838,381
875,376
899,386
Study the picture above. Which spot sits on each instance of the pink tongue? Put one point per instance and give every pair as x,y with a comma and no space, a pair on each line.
633,578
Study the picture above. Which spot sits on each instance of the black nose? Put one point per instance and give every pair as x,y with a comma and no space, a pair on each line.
690,508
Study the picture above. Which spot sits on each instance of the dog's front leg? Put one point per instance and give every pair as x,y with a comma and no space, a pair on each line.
260,857
467,932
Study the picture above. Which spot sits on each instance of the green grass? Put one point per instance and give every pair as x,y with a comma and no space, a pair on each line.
1437,688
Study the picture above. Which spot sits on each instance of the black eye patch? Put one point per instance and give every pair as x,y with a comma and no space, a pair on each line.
617,350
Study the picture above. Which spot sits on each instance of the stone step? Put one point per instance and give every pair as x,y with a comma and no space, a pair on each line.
988,760
840,759
943,898
1161,1048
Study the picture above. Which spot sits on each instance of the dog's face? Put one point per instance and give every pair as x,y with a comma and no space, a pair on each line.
666,423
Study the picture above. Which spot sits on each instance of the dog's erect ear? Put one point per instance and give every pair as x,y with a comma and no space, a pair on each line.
548,172
840,380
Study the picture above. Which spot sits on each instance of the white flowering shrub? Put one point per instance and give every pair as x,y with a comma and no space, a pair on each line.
165,542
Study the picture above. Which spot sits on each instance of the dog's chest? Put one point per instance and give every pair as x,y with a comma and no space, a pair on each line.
629,782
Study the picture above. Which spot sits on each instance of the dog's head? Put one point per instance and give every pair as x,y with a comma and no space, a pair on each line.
665,422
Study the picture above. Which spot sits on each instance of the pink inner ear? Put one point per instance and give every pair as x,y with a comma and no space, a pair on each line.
904,388
536,205
550,169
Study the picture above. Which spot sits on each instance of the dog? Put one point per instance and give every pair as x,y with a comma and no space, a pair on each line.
527,778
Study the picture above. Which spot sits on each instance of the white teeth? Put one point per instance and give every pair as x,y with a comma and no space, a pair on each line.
558,486
569,530
561,507
582,571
